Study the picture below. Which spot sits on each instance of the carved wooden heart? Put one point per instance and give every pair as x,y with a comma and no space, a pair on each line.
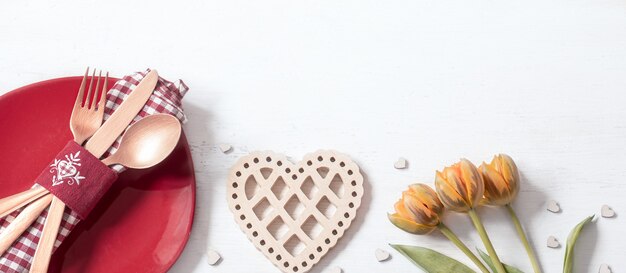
295,213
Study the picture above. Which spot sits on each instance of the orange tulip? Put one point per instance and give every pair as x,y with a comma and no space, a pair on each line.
460,186
418,210
501,187
501,180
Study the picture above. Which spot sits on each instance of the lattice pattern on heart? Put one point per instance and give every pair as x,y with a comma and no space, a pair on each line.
66,170
295,213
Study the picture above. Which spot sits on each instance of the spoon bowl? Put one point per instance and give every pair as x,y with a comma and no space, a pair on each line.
147,142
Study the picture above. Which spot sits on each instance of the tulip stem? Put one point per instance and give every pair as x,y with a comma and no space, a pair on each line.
485,238
522,235
455,239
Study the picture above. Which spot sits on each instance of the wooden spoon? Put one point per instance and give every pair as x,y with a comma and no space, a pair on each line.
147,142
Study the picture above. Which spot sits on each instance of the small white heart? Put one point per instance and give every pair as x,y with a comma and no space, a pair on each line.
553,206
335,269
225,148
400,164
382,255
605,268
214,257
553,242
607,212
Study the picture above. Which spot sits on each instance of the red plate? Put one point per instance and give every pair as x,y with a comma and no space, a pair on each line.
141,225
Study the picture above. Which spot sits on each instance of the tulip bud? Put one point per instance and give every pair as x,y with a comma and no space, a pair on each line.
501,180
418,210
460,186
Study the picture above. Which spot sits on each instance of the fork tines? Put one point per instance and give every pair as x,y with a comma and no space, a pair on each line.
95,98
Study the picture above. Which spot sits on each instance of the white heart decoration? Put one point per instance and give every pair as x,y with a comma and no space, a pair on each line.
65,169
400,164
605,268
607,212
294,213
213,257
553,206
553,242
382,255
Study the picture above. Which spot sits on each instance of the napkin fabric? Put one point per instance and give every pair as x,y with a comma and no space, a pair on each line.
77,178
166,99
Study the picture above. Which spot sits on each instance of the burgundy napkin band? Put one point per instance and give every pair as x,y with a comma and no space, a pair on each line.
77,178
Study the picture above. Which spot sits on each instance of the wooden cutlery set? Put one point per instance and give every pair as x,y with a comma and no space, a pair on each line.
79,176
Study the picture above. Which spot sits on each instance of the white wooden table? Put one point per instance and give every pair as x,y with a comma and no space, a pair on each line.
431,81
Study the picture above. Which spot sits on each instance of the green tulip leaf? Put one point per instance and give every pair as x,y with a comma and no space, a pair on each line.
568,263
487,259
432,261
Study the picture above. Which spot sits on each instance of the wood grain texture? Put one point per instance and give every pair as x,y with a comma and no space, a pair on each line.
17,201
294,212
430,81
50,231
22,222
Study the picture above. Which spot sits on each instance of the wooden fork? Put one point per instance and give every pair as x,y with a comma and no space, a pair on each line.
85,121
86,118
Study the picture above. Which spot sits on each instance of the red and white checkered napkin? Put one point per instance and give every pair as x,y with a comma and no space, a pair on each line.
166,98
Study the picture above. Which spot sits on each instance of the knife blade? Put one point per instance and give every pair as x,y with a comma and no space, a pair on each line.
100,142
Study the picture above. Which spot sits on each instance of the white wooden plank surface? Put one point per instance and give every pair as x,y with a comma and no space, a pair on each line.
430,81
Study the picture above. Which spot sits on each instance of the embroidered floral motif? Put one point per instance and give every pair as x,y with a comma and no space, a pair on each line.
66,171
